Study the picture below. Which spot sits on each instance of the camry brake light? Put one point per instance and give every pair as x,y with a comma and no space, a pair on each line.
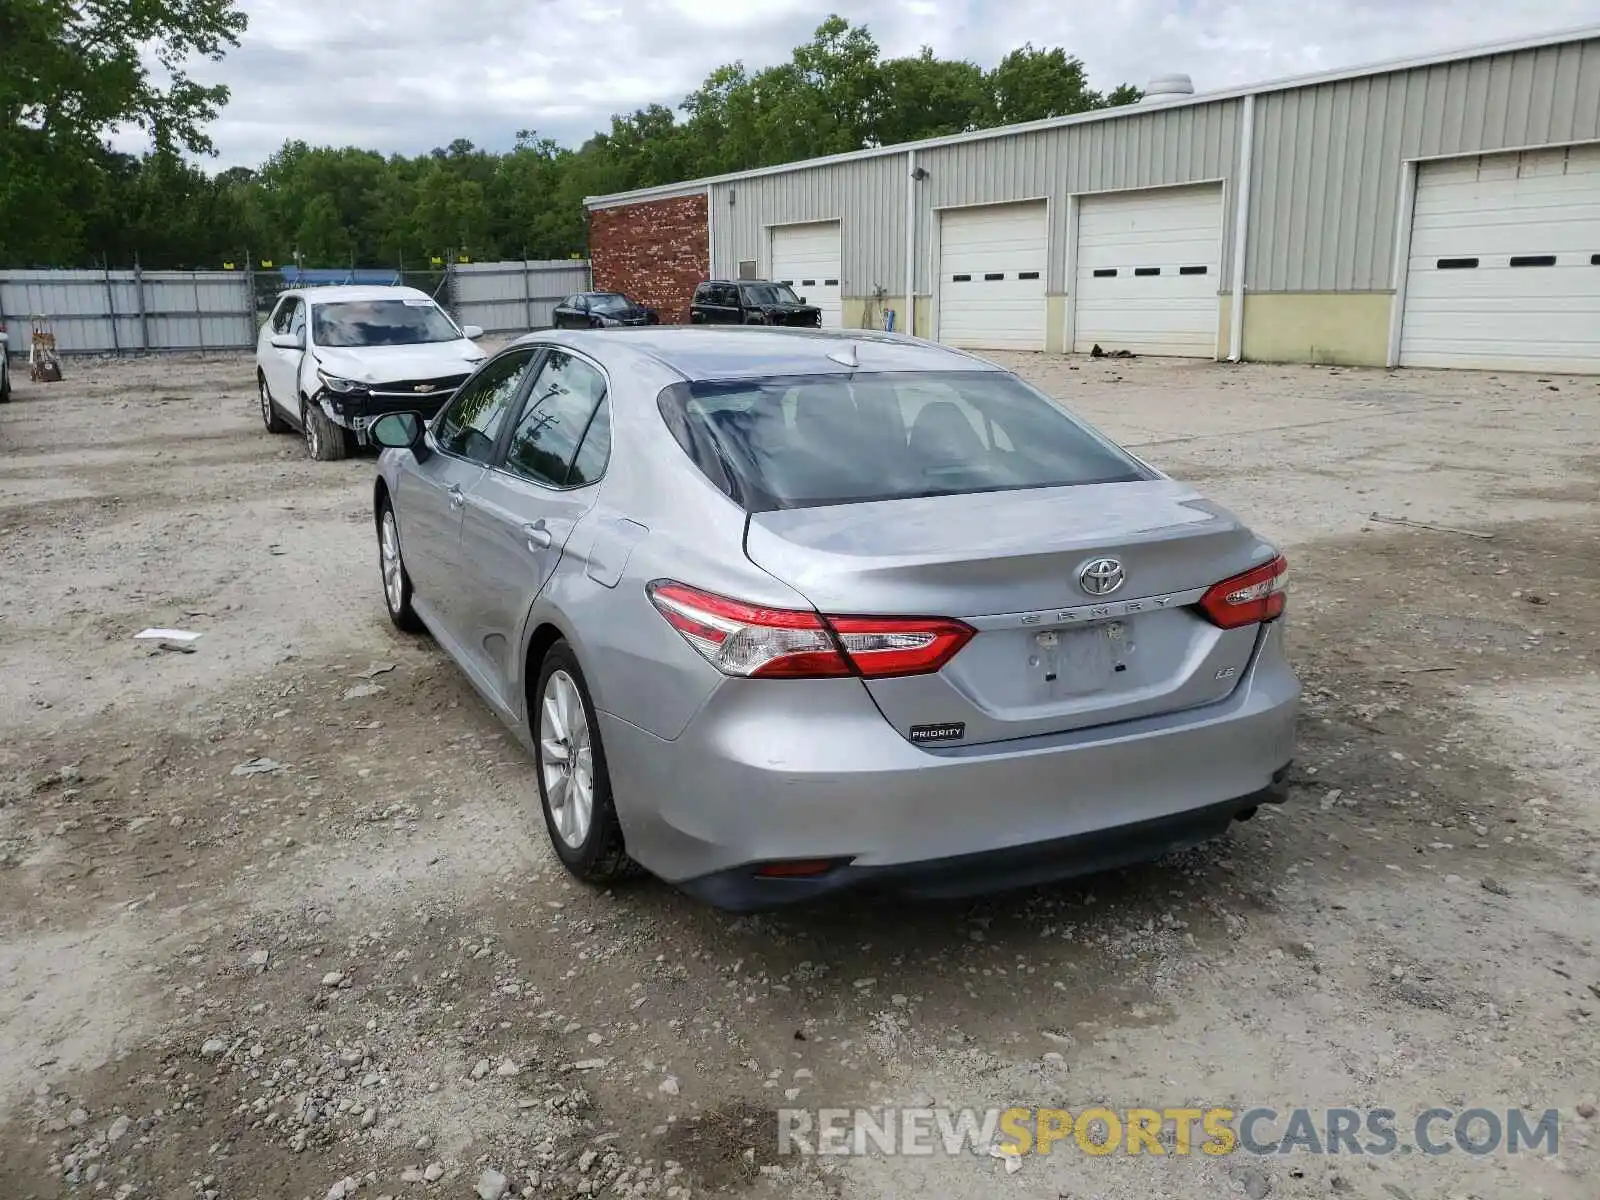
781,643
1257,595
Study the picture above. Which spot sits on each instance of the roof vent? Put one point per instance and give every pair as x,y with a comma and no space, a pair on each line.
1167,87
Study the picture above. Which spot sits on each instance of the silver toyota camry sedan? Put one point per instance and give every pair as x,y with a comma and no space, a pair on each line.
780,612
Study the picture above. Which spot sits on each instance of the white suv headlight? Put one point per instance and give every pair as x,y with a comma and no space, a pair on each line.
335,384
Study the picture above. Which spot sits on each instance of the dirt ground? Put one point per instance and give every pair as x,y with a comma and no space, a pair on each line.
357,967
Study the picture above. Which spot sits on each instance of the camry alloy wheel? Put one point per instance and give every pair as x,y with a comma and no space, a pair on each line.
389,556
566,759
313,436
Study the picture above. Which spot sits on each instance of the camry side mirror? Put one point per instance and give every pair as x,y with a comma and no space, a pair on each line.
802,299
288,341
397,431
472,332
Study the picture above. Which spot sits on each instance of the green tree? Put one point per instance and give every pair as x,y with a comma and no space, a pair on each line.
1030,85
322,239
925,97
65,198
70,72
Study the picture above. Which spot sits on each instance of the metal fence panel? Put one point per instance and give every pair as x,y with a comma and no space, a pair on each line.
120,312
514,297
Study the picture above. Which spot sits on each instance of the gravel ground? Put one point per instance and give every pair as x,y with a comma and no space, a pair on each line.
278,918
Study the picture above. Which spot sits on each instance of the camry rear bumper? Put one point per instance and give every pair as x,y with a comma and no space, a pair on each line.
784,770
743,889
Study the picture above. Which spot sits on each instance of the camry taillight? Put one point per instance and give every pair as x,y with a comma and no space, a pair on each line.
781,643
1257,595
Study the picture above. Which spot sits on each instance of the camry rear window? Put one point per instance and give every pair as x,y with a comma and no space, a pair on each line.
381,323
801,442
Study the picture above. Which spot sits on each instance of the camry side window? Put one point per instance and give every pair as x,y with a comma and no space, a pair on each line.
471,424
281,316
551,443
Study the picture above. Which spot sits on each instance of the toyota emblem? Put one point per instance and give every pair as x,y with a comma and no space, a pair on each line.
1101,577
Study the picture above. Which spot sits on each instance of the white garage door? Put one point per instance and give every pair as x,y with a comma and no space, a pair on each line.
808,258
1504,271
1147,272
991,277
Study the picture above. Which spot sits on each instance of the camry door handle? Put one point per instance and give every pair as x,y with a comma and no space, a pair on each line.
457,496
538,536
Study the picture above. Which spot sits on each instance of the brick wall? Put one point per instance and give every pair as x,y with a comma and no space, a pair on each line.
655,252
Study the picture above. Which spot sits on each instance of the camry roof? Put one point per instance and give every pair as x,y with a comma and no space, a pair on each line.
744,351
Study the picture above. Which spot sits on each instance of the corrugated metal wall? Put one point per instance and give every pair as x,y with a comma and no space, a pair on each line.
1326,170
1152,149
868,195
96,312
1200,142
513,297
1327,160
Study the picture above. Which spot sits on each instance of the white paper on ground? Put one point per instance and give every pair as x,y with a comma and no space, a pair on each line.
165,635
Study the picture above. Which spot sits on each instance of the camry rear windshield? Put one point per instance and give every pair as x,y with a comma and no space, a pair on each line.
608,302
801,442
380,323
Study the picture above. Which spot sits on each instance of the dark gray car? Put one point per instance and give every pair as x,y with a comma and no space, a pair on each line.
780,612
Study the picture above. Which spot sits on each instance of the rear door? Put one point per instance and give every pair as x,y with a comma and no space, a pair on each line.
430,493
1082,595
520,514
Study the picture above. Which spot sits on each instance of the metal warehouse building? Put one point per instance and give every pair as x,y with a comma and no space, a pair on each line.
1439,212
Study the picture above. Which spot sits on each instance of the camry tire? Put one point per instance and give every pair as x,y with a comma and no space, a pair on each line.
325,441
269,411
392,568
570,766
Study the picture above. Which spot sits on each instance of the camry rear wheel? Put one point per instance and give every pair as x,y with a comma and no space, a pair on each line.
574,787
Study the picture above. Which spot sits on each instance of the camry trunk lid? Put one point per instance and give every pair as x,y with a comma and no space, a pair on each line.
1082,599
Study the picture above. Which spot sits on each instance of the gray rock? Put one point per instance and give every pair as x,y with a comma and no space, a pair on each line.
1256,1185
411,1175
492,1185
213,1047
345,1187
507,1069
78,1116
433,1173
259,958
119,1129
481,1068
258,766
333,979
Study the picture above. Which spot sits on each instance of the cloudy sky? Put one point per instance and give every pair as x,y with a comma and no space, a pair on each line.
408,75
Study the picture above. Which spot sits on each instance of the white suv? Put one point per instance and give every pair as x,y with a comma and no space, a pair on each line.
330,360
